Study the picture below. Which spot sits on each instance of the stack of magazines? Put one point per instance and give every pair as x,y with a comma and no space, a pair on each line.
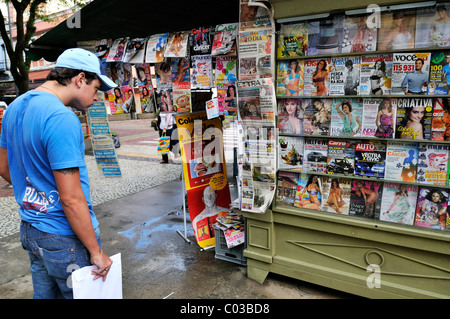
233,228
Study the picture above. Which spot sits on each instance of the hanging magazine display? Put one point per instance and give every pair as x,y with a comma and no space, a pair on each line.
200,41
117,50
177,45
257,107
224,42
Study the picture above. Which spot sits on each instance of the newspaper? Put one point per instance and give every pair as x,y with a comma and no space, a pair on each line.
255,14
257,105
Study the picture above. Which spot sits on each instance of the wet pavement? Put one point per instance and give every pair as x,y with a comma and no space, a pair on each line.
157,263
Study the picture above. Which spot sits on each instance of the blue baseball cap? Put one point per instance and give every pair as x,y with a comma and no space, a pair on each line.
81,59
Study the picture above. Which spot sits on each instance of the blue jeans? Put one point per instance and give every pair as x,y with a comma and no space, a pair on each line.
53,258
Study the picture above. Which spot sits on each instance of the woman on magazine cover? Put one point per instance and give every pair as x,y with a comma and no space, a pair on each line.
294,75
385,120
314,190
348,120
411,126
400,206
293,123
320,78
370,198
399,36
335,199
378,73
433,211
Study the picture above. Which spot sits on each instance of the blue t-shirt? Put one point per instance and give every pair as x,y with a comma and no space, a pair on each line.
415,81
41,135
446,69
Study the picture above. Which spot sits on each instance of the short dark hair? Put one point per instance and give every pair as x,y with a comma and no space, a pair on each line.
64,75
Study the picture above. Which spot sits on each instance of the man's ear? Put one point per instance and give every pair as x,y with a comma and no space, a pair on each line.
80,78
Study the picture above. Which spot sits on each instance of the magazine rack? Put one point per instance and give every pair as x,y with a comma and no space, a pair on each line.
366,257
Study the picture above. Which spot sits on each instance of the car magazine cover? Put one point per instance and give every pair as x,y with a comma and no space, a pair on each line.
365,199
414,118
344,76
286,188
315,155
156,45
325,36
290,150
375,75
346,115
200,41
398,204
317,116
440,127
336,195
431,210
410,73
293,40
290,116
290,78
379,117
316,81
309,192
401,161
370,158
433,164
439,73
433,26
341,157
397,30
358,36
224,41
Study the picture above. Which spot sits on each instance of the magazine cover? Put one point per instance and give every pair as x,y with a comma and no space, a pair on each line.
365,199
414,118
286,188
143,74
358,36
200,41
102,48
341,157
201,71
293,40
315,155
397,30
177,45
180,70
225,71
317,116
117,50
290,116
227,99
290,78
410,73
346,117
336,195
344,76
401,161
379,117
376,74
181,95
440,130
224,41
156,45
316,81
146,98
135,46
398,204
431,210
433,164
439,73
290,153
325,36
433,26
309,192
370,158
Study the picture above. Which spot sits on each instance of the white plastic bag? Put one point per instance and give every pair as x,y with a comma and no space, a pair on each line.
85,287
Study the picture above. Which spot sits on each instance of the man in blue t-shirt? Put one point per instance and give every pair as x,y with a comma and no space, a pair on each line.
415,81
446,74
42,157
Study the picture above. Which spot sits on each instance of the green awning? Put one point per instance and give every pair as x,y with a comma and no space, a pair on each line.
103,19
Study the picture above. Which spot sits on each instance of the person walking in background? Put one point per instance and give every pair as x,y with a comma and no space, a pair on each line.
42,156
